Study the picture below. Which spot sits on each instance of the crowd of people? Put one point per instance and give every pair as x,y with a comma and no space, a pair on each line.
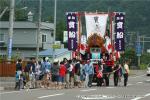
68,73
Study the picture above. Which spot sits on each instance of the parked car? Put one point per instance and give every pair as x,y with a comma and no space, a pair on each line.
148,69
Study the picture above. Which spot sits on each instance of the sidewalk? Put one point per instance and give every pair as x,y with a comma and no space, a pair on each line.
7,83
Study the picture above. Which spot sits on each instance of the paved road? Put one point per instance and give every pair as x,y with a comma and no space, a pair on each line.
138,89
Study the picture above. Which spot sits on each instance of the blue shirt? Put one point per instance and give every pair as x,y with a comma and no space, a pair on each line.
45,66
89,68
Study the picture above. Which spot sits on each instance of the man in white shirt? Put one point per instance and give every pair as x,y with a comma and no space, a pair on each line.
126,72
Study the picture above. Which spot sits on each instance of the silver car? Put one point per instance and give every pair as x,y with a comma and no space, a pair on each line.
148,69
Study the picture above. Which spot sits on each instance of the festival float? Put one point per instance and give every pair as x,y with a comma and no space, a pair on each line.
104,36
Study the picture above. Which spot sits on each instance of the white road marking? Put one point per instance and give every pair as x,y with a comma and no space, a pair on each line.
129,84
50,95
110,87
137,98
137,76
88,90
146,95
139,82
19,91
96,97
147,80
9,92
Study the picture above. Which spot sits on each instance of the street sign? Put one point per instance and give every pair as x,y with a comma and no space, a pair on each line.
56,46
138,49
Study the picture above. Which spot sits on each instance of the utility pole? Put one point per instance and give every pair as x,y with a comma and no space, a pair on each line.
39,29
138,48
139,60
54,34
11,25
143,45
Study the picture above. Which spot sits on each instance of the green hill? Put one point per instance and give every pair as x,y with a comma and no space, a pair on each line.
137,11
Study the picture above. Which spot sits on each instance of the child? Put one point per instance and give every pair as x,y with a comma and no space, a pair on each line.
17,76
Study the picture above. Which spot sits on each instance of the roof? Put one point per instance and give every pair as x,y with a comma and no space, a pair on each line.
27,24
58,52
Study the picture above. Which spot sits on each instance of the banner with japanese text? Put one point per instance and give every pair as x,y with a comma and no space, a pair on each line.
72,30
119,30
96,23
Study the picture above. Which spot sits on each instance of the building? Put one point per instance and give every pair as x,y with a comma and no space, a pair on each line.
25,38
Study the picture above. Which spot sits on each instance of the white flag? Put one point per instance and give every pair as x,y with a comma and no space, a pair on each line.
83,44
96,23
108,45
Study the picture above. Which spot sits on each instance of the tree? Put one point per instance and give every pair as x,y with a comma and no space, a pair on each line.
50,19
59,30
130,55
19,13
145,58
3,5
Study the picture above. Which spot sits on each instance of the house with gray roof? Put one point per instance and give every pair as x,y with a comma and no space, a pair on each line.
25,38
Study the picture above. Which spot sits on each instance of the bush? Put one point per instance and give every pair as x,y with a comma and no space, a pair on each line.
143,66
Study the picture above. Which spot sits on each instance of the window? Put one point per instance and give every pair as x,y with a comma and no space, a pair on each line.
44,38
52,34
1,37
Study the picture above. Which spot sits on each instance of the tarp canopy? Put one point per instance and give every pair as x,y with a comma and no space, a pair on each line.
57,52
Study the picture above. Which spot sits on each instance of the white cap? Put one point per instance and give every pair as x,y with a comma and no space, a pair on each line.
46,58
55,60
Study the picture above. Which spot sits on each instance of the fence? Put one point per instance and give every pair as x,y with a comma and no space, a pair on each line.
8,68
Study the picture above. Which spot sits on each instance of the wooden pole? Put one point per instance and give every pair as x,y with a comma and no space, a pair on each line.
79,40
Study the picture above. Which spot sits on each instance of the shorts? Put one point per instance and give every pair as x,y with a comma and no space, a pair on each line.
55,78
77,78
82,77
67,77
61,79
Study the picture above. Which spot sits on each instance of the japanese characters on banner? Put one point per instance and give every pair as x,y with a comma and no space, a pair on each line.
119,29
72,30
96,23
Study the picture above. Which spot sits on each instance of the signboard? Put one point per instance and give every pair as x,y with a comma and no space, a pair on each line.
57,45
72,30
138,49
119,30
96,55
9,48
